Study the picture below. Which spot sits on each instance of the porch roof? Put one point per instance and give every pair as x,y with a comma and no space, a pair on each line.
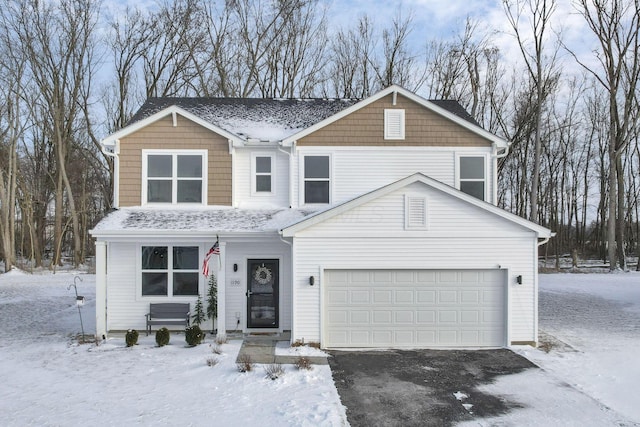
219,219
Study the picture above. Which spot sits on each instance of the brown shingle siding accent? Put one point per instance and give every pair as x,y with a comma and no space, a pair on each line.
366,127
187,135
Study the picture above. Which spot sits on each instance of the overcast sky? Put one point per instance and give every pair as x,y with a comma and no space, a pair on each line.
443,19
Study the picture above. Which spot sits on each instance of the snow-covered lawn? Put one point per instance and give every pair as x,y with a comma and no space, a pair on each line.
46,379
591,374
589,377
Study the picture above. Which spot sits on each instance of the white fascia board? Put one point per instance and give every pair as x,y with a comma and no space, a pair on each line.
164,235
499,142
417,177
172,110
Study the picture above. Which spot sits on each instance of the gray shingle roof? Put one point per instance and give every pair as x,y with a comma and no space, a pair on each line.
265,118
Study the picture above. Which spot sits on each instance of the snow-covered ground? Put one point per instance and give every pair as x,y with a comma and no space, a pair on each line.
46,379
589,377
591,374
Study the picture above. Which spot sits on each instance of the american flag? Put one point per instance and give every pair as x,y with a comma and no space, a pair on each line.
215,250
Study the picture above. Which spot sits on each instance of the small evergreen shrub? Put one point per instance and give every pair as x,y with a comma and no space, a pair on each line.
274,371
199,316
193,335
244,363
162,337
131,338
303,362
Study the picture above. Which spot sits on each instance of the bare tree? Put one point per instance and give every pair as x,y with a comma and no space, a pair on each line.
399,65
352,61
616,25
11,129
541,69
58,43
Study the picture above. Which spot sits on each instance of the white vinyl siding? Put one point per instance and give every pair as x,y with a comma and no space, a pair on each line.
374,237
245,195
356,171
126,308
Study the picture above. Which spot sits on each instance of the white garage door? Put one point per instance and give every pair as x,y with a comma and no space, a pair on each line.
414,308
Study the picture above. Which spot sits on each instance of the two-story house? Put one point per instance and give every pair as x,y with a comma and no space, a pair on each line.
369,223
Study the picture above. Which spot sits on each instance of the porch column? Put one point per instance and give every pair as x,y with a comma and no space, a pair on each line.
222,291
101,289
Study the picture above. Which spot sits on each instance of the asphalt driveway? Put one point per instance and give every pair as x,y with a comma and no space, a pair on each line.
421,387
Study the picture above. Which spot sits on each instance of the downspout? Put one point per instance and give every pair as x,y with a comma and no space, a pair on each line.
292,272
116,169
290,154
233,174
496,155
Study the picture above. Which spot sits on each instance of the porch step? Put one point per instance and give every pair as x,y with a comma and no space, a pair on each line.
263,350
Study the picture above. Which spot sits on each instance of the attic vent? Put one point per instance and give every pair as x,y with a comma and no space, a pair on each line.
394,124
415,212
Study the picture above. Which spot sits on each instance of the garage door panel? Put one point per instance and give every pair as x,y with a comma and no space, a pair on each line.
360,317
448,297
338,317
360,297
338,296
447,316
381,317
427,317
404,316
469,297
403,297
470,316
414,308
382,338
383,296
425,297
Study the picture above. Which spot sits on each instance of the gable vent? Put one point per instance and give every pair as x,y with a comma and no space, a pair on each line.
394,124
416,212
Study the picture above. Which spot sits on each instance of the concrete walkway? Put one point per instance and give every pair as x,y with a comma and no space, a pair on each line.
262,349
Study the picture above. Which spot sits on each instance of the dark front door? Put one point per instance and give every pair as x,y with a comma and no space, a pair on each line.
262,293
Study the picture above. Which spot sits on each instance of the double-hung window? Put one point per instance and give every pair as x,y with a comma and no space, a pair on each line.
170,270
317,181
174,176
262,174
472,175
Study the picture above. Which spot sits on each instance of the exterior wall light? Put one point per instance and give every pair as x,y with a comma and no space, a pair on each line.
519,279
312,280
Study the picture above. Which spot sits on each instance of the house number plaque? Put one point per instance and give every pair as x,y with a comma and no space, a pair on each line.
234,282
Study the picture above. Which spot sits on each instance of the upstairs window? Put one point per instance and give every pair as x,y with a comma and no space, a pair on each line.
174,177
170,270
394,124
316,179
472,176
262,174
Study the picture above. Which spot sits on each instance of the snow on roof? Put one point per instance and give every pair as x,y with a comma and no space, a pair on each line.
218,219
266,119
252,118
